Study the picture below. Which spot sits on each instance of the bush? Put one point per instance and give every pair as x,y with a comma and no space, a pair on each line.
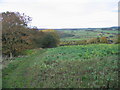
103,40
93,41
117,39
50,40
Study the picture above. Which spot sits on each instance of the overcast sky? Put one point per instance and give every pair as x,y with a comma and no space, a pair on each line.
66,13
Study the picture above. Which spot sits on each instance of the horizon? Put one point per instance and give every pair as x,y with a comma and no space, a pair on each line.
79,28
59,14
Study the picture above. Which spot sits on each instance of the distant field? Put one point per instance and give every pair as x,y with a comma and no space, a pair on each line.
110,31
87,34
82,66
72,39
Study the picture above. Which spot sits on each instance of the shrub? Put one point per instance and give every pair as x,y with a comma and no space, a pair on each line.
50,39
93,40
103,40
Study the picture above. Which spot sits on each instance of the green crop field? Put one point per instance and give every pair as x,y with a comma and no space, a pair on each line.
82,66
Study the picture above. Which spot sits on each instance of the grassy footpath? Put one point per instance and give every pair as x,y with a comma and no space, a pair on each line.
69,67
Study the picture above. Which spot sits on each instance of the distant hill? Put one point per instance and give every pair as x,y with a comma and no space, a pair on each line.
106,28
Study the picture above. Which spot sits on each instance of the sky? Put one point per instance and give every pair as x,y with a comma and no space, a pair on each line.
66,13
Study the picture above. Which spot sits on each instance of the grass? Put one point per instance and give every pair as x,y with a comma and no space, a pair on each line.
90,66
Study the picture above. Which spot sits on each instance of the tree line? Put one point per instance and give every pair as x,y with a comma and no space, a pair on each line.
17,36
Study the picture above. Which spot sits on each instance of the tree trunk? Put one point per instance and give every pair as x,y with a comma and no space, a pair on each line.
11,56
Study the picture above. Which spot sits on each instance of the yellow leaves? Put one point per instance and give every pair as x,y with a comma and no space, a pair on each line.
48,30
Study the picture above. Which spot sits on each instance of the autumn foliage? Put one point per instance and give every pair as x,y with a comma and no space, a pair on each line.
14,33
17,37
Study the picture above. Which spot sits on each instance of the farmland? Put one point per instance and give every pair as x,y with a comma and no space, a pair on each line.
77,66
57,58
60,44
49,58
87,34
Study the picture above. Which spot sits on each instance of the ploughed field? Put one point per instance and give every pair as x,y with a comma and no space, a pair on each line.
77,66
